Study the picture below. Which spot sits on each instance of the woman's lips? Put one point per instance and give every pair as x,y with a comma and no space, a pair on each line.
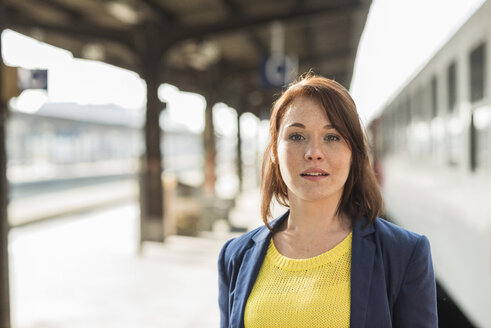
314,174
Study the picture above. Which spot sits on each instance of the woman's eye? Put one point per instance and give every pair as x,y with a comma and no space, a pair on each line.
295,137
332,137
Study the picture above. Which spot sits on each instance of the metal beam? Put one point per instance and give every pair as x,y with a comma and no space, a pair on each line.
232,7
164,13
73,13
258,43
240,23
231,69
235,11
310,45
15,20
322,58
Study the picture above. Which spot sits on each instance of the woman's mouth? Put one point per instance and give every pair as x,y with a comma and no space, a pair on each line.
314,174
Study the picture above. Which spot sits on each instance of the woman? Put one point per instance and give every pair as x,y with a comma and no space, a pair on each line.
328,261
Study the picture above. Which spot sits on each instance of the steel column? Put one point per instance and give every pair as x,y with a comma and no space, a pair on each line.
239,154
209,147
4,227
151,52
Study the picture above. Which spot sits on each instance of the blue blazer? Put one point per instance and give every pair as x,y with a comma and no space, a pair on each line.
392,279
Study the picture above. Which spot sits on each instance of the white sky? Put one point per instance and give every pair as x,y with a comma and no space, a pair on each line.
399,38
74,80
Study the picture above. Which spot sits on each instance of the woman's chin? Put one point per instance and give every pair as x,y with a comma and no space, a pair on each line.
313,196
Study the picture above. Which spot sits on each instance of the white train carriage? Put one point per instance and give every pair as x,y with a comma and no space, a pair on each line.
433,143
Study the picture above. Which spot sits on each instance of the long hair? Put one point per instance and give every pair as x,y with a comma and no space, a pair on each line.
361,195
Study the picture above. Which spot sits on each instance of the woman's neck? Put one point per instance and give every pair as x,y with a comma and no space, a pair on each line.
310,218
311,229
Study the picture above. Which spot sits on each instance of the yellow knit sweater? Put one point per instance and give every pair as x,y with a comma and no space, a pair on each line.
313,292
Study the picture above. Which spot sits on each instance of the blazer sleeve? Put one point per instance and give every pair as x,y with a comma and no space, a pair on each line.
415,305
223,287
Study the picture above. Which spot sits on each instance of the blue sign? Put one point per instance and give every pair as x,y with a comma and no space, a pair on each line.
32,79
278,70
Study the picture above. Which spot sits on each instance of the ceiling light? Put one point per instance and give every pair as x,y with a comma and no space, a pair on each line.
123,12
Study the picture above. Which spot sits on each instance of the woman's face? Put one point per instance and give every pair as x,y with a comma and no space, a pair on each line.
314,159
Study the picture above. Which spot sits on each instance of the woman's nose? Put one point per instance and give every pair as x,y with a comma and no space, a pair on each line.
314,152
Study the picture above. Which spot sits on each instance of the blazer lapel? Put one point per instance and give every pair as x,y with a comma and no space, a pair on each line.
249,269
362,261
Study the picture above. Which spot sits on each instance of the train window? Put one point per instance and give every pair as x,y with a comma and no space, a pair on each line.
421,104
473,145
452,86
434,98
477,68
407,110
415,105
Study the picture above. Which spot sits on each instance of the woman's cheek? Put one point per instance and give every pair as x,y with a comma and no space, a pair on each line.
287,158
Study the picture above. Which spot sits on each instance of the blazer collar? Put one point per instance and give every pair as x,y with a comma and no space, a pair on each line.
249,269
360,227
362,262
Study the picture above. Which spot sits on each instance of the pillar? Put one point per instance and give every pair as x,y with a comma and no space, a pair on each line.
239,154
209,147
4,260
151,52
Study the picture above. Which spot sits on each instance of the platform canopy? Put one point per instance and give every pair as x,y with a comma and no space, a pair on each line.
224,46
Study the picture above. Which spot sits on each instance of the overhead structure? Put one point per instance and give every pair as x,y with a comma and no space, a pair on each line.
198,43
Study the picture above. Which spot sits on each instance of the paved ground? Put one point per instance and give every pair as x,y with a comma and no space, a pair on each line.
54,203
85,271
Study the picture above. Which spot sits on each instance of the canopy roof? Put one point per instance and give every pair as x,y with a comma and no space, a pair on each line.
206,46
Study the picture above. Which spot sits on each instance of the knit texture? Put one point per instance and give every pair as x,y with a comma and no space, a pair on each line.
313,292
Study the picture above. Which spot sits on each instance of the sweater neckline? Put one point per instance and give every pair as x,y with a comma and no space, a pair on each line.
291,264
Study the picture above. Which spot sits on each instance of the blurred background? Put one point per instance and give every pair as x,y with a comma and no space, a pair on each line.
132,132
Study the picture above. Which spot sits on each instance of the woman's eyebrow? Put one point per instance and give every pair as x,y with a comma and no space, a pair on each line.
300,125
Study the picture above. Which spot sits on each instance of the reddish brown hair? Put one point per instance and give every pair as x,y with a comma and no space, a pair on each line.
361,194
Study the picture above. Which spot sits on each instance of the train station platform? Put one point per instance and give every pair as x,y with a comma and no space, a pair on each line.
47,203
87,270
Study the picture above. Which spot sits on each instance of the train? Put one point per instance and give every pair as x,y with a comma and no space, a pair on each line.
63,141
432,153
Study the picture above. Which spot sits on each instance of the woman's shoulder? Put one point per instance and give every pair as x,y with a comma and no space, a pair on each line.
393,231
399,241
